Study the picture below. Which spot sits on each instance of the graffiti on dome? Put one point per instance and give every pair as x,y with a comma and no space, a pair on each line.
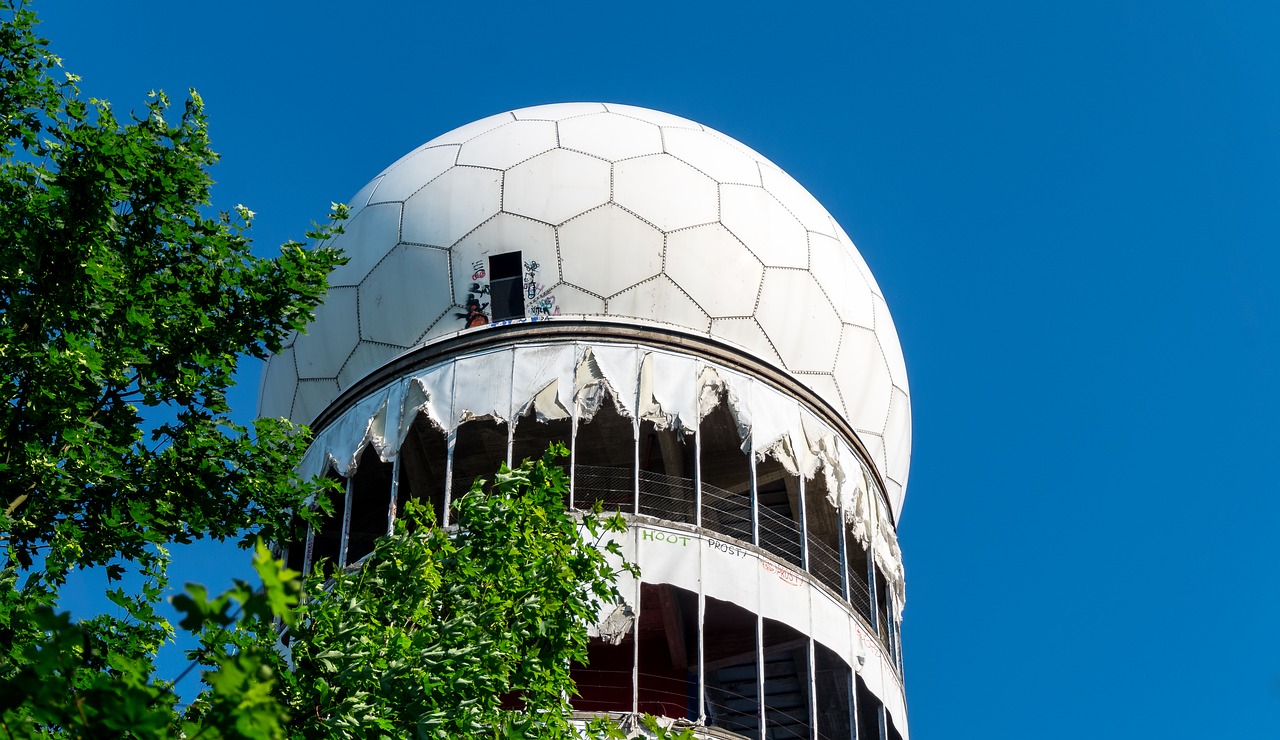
538,299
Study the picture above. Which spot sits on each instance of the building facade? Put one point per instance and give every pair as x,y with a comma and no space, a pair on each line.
708,343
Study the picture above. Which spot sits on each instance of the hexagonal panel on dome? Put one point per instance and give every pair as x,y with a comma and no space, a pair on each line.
451,205
890,343
655,117
699,259
556,186
610,136
798,201
662,299
364,239
608,250
665,192
406,177
330,338
403,294
557,111
836,272
897,436
863,377
275,391
574,300
712,156
361,198
857,259
768,229
746,333
466,132
509,144
364,359
824,384
311,398
799,320
502,234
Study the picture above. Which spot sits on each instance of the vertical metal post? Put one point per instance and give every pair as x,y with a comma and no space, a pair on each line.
395,495
702,653
804,525
346,524
308,544
697,452
813,690
755,508
635,653
855,732
844,553
573,450
635,458
451,441
760,673
883,721
871,565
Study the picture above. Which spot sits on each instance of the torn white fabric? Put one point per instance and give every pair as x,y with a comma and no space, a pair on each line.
671,390
482,387
542,381
668,391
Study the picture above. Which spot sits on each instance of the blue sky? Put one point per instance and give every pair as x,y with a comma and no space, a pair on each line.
1071,208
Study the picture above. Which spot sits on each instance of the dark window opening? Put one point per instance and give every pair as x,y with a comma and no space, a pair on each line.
824,534
603,460
666,473
668,667
869,710
778,493
370,502
506,286
327,538
833,684
726,474
423,457
733,698
786,682
478,451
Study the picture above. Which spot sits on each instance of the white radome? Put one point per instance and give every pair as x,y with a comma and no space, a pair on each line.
629,214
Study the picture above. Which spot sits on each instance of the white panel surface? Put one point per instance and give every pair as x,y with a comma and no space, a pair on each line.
660,297
557,111
610,136
482,387
451,205
665,192
575,300
653,116
330,338
406,177
699,259
800,323
863,378
608,250
365,355
556,186
364,240
503,233
768,229
311,398
509,144
403,294
835,271
712,156
798,201
275,390
620,365
746,333
472,130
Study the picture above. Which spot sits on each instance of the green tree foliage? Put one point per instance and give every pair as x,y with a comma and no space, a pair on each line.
125,304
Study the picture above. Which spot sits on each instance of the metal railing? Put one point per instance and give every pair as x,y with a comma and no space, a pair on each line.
727,513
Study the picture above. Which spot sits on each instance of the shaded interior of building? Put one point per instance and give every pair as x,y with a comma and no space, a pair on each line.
712,661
